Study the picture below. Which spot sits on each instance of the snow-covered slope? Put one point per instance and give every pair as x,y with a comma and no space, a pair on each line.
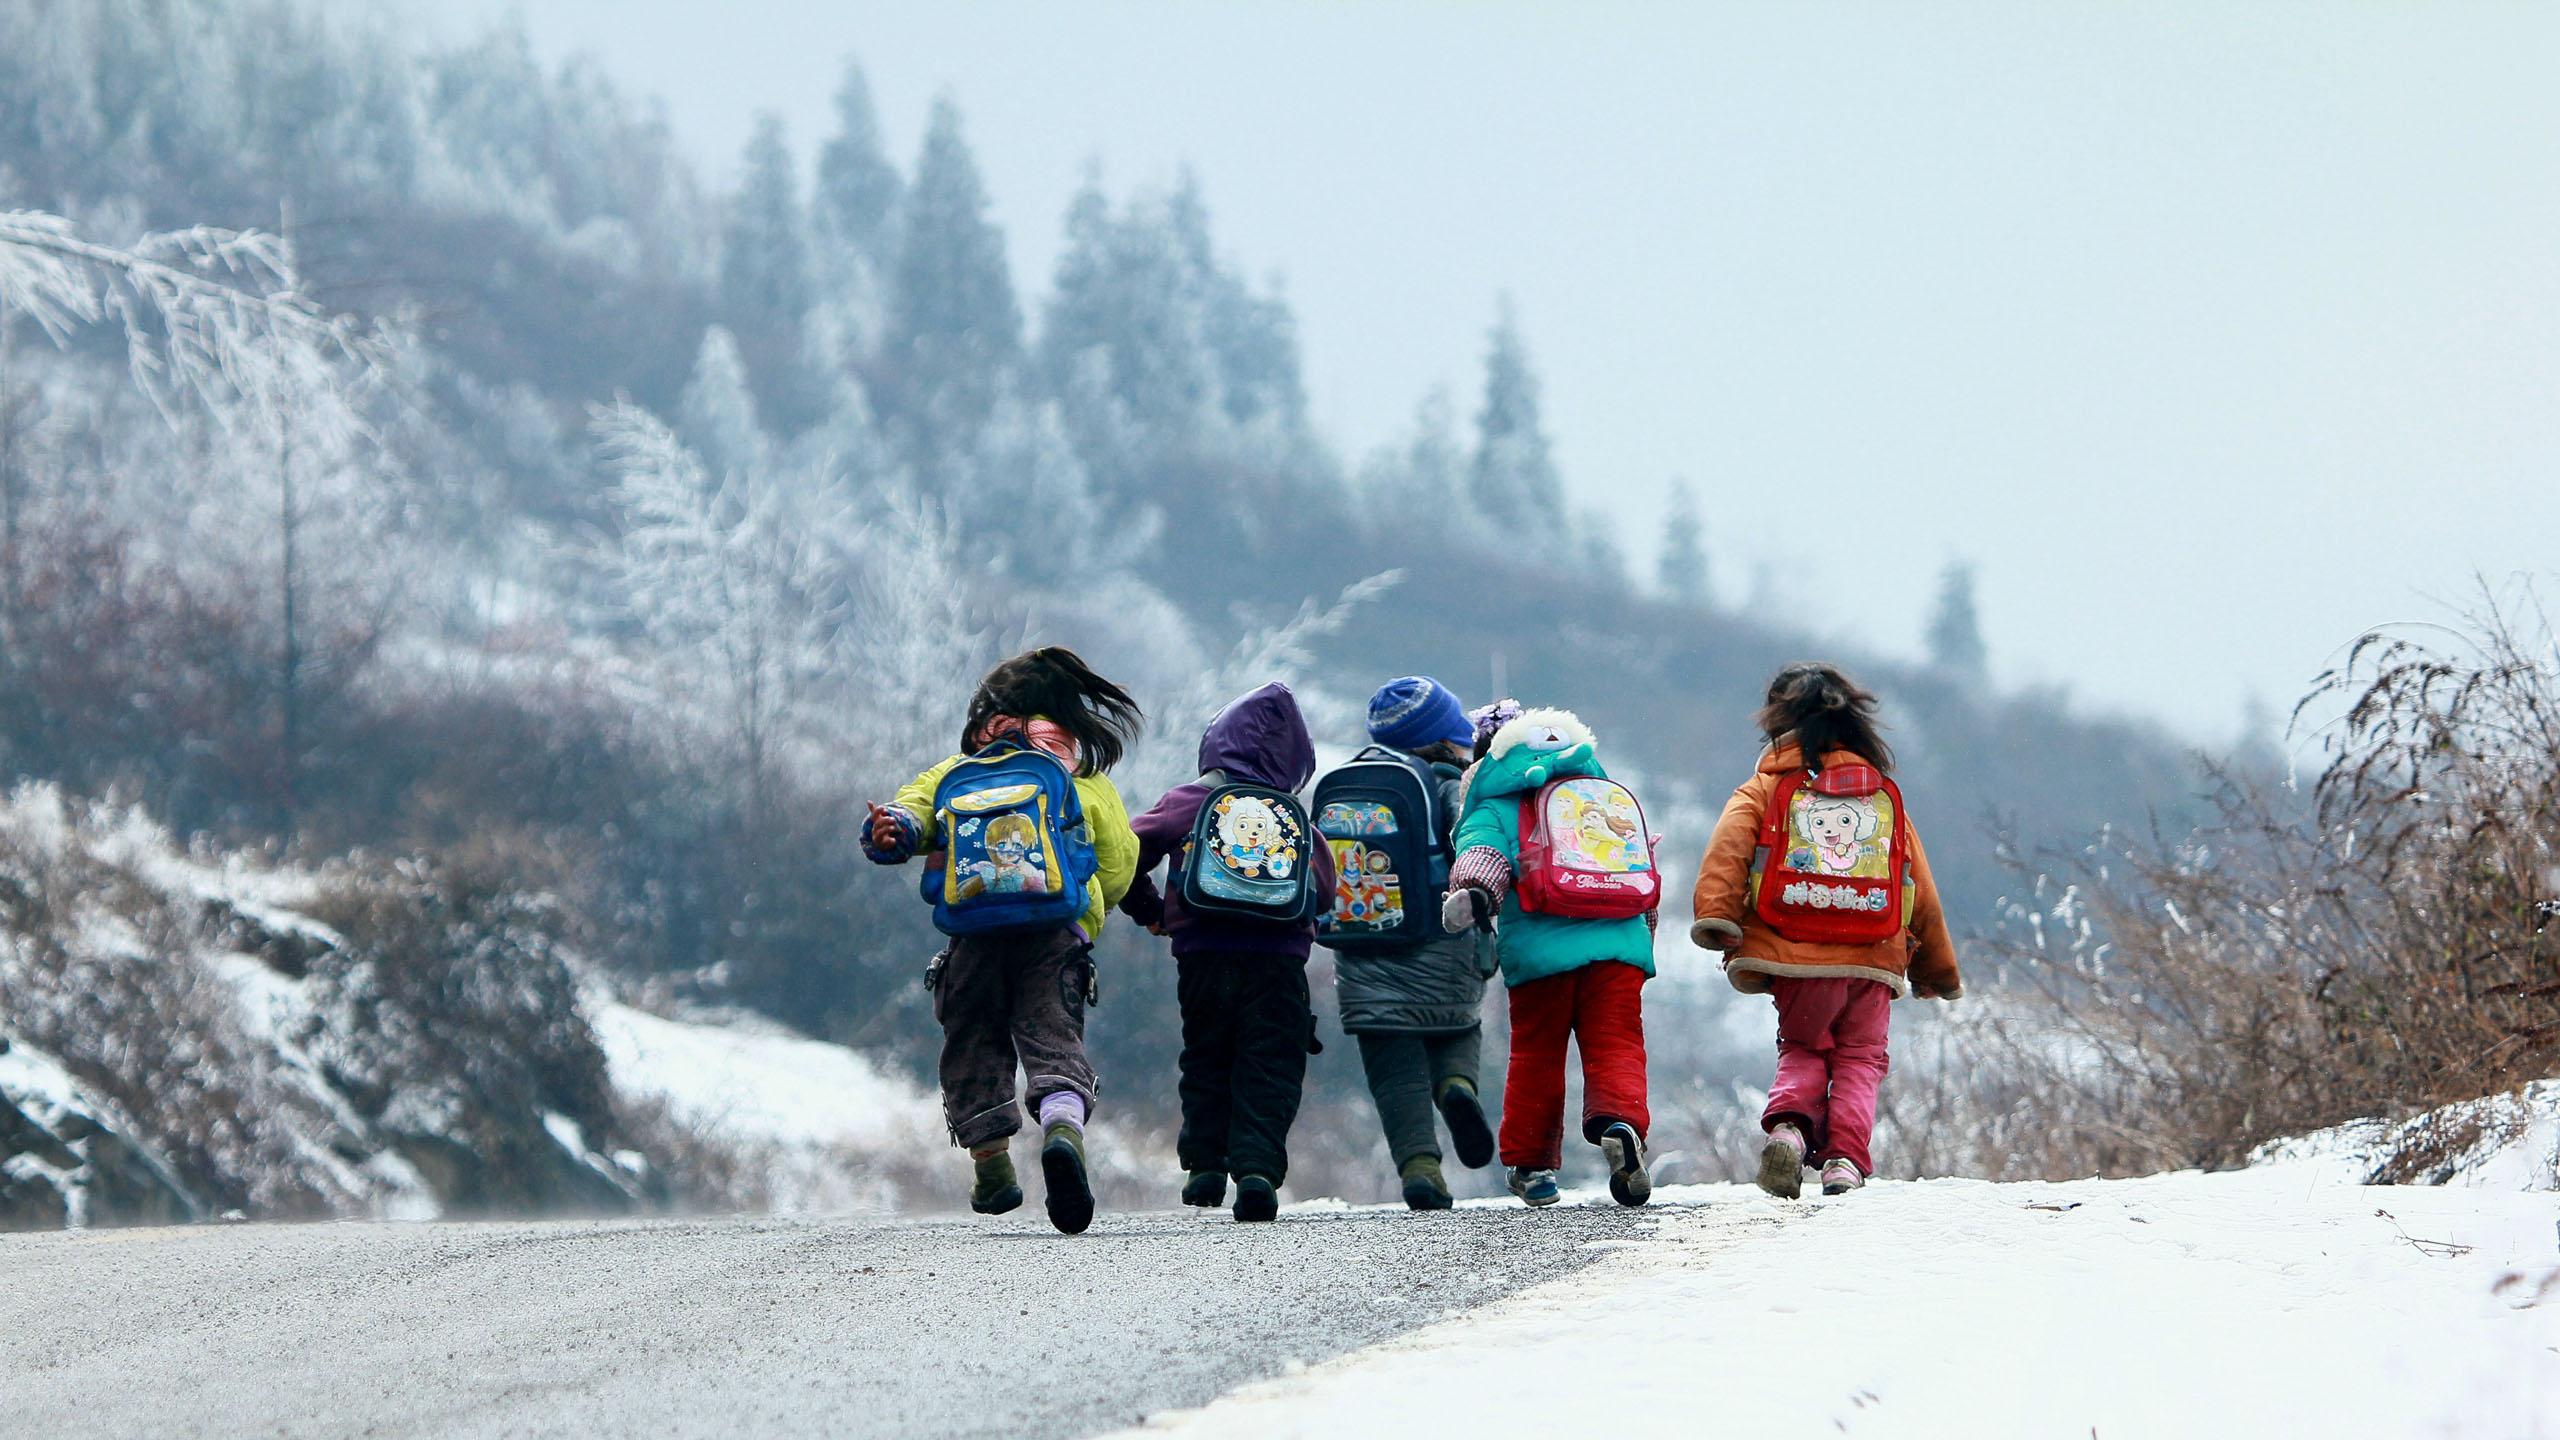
2279,1301
2504,1142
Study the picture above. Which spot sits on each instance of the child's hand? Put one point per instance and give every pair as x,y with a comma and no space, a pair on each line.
884,828
1467,907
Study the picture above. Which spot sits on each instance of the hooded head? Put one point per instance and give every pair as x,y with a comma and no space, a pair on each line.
1260,738
1533,748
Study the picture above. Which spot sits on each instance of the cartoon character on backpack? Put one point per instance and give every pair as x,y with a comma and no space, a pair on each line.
1251,838
1837,834
1013,865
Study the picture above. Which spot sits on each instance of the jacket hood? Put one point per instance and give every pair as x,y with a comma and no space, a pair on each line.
1261,739
1534,748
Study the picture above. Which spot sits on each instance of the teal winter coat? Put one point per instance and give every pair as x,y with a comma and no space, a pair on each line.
1540,746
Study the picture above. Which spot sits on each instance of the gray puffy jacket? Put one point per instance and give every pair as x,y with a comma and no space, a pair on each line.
1438,985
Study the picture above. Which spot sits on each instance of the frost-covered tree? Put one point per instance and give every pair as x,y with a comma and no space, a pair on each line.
210,316
1955,627
738,584
954,328
1513,476
716,414
1681,568
859,187
765,285
276,391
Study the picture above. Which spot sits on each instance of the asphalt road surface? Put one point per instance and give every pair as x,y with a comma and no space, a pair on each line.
838,1327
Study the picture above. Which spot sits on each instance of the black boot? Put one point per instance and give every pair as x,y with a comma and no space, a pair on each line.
1205,1190
1070,1193
1257,1199
1468,1132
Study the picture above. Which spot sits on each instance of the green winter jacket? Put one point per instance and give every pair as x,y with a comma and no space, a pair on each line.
1540,746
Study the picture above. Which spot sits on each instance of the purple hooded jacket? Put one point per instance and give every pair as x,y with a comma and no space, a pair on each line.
1260,739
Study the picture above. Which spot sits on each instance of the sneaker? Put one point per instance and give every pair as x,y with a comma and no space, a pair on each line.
1469,1135
1205,1190
1782,1162
1624,1149
997,1189
1839,1177
1257,1200
1424,1187
1536,1188
1062,1166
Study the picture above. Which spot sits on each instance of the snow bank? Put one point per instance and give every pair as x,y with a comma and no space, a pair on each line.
2504,1142
2280,1301
820,1126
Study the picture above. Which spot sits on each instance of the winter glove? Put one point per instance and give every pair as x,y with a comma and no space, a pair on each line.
1467,908
1709,933
890,837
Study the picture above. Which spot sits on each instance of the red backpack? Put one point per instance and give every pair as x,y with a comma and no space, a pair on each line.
1834,858
1585,853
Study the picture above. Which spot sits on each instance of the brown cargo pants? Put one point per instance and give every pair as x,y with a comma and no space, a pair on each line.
1008,1001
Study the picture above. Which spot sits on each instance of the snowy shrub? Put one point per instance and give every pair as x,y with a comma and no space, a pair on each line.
2383,945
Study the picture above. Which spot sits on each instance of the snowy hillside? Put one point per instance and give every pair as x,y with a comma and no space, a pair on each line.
2288,1299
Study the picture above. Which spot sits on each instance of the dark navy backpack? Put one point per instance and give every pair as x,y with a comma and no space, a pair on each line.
1380,814
1016,851
1251,855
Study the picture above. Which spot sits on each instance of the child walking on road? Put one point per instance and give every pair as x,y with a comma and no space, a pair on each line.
1411,993
1027,846
1246,876
1555,856
1817,891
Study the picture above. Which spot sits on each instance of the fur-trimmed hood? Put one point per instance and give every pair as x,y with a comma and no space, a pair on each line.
1533,748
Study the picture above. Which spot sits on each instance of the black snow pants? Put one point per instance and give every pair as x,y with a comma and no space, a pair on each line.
1246,1031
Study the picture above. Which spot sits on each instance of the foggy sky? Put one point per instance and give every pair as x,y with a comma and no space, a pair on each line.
2211,332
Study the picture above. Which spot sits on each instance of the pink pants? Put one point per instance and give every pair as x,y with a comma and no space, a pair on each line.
1831,1062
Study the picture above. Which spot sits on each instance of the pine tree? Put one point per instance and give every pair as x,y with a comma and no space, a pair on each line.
1513,477
765,287
1681,570
955,329
1955,627
716,415
764,260
856,202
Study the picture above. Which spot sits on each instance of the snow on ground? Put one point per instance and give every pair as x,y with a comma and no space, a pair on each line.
828,1129
2281,1300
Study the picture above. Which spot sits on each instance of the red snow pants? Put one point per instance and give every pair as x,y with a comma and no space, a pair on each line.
1600,1008
1831,1063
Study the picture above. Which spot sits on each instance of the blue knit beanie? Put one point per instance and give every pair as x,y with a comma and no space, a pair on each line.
1417,711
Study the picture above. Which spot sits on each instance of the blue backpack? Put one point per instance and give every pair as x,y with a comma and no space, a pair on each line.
1016,851
1380,815
1251,856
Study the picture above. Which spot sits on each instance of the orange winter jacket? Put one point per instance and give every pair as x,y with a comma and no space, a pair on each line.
1921,960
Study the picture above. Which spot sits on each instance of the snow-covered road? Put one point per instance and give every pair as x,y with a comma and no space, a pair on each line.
2275,1302
2272,1302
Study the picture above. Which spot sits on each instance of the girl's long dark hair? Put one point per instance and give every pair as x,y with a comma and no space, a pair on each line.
1823,710
1054,682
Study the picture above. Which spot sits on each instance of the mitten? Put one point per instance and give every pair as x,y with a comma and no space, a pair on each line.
1465,908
